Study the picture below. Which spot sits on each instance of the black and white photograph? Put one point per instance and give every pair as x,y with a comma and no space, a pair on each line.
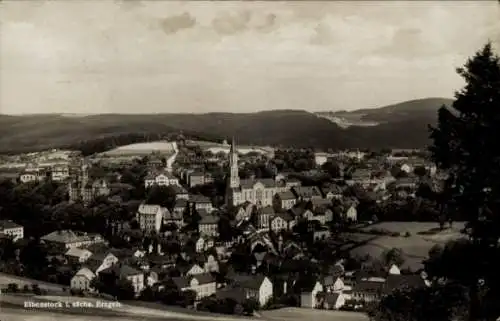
249,160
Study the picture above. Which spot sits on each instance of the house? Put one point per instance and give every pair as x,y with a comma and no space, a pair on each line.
282,221
191,269
203,244
309,294
284,201
175,218
244,211
101,261
199,178
368,290
66,239
201,202
394,281
59,172
12,229
160,178
208,225
27,177
407,168
77,255
150,217
211,264
257,287
180,205
332,284
321,235
394,270
264,215
334,300
180,192
81,280
306,193
124,271
361,176
332,192
86,191
203,284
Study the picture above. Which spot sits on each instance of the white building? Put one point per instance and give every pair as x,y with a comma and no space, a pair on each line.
162,178
308,296
12,229
81,280
150,217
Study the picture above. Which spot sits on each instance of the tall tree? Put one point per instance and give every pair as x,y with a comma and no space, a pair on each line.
466,144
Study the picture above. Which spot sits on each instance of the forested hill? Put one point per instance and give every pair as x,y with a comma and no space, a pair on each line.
290,128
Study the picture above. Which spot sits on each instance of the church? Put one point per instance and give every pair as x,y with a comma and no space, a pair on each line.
259,191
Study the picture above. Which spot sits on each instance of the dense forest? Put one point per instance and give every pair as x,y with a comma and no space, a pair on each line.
283,128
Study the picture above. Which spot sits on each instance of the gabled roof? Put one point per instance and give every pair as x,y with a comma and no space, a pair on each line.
86,273
123,270
399,281
285,196
178,189
68,236
8,225
368,287
150,209
249,183
306,191
268,210
209,219
76,252
253,282
180,203
321,202
286,216
195,198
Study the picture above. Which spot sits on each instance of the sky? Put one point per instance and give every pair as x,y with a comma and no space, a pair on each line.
104,56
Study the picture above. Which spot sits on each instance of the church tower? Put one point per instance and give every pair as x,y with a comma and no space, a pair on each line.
234,176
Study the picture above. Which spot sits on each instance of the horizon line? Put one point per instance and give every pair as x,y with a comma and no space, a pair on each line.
80,114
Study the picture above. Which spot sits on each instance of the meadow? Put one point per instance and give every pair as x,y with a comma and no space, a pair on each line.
415,246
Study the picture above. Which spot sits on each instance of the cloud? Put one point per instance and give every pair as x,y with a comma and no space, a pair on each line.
233,56
227,23
175,23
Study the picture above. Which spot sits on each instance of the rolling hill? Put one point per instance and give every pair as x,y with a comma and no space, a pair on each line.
399,126
422,109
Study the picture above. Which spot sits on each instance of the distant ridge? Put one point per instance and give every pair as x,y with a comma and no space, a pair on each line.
402,125
419,108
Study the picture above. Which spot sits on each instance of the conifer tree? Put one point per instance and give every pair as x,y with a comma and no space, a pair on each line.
466,143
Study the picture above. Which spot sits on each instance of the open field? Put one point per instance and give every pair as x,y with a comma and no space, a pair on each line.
113,312
313,314
163,147
412,227
5,279
416,247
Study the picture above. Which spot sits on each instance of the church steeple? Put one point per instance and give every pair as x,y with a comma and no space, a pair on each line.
234,177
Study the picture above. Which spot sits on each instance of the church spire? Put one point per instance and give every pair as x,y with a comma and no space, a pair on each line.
234,177
233,146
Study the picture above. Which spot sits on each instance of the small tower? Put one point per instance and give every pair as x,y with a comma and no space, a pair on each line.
234,178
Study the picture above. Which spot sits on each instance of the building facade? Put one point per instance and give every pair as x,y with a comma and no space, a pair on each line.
256,191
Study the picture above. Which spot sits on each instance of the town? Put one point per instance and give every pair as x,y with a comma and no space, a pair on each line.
221,227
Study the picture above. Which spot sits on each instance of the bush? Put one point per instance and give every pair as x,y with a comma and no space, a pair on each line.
26,288
36,289
12,287
407,234
395,234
